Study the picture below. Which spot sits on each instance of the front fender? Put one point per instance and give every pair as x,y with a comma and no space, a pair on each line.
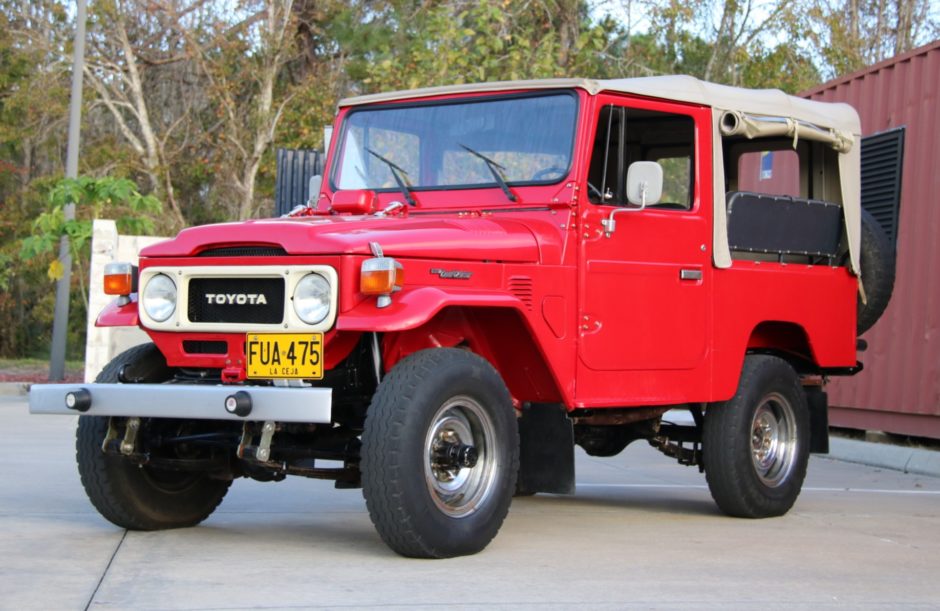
414,307
116,315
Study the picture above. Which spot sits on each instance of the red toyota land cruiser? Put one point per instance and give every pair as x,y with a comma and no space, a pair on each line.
486,276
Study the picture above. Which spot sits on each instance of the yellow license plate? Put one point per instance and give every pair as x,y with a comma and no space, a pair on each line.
285,355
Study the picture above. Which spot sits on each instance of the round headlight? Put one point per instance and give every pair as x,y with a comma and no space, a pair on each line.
312,299
160,297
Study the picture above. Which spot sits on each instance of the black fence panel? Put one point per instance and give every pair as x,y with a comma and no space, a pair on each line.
292,183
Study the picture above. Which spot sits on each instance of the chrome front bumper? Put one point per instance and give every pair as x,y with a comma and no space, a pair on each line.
185,401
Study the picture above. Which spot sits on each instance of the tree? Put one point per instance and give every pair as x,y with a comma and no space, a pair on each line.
33,97
129,50
93,198
33,89
241,58
29,245
852,34
423,44
727,41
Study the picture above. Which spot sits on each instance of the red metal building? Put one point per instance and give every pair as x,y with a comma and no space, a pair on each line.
899,390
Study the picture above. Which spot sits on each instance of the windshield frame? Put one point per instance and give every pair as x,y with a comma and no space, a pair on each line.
336,160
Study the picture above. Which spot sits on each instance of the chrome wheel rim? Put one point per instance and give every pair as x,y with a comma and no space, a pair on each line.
460,457
773,440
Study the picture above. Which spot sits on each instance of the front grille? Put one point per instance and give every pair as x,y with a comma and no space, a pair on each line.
245,251
238,302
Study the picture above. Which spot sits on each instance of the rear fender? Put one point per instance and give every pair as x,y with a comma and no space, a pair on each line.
785,339
788,339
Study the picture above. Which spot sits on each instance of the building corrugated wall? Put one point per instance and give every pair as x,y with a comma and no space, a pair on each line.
899,390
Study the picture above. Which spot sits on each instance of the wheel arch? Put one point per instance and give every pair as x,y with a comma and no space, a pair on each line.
790,342
786,340
501,335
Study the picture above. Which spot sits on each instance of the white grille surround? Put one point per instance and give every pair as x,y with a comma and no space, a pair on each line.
181,275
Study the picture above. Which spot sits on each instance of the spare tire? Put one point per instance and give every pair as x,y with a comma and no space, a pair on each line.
877,262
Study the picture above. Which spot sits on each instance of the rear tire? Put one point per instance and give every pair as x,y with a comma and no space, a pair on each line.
440,454
756,445
133,496
877,260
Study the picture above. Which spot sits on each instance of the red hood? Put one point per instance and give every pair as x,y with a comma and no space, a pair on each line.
449,238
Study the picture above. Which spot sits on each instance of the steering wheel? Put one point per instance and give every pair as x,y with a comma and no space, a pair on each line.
552,172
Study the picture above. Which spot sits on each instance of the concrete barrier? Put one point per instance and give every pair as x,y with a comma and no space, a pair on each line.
103,344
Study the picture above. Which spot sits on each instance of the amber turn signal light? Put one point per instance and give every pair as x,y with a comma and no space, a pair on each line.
381,276
119,279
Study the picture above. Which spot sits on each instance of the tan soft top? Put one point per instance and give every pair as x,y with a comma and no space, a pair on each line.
769,102
749,105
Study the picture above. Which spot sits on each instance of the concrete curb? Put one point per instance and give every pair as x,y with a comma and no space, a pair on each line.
886,456
10,389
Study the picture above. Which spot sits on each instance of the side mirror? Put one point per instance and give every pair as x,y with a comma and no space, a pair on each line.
314,192
644,188
644,183
354,201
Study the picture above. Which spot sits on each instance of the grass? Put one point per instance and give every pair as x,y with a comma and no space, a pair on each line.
33,370
37,363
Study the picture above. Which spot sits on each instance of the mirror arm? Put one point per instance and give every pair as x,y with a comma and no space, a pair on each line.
392,207
610,225
313,191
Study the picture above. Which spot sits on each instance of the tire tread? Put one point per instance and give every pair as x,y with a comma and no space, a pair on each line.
726,437
384,483
878,273
96,468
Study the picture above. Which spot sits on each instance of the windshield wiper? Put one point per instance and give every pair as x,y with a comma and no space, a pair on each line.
494,169
394,169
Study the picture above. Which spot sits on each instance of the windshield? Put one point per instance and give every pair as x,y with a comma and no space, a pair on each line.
525,139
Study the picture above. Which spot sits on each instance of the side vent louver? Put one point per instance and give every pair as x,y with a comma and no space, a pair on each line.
521,287
882,160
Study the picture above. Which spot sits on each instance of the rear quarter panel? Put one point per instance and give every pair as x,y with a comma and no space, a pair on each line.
819,299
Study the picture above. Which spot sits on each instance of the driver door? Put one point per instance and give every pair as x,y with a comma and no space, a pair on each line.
646,286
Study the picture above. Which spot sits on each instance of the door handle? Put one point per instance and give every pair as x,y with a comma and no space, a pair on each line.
690,274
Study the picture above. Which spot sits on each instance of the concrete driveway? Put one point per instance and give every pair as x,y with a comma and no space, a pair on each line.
642,532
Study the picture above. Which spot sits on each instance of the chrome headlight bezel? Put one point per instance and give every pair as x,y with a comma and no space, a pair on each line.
312,298
183,275
160,297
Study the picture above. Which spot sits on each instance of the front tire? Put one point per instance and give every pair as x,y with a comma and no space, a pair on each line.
440,454
139,497
756,446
